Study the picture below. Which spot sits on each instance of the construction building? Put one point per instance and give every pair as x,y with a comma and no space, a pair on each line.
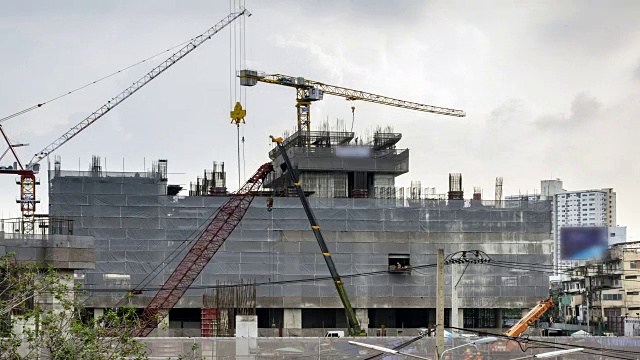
369,223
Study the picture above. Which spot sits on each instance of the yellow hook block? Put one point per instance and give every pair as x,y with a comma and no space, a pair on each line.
238,114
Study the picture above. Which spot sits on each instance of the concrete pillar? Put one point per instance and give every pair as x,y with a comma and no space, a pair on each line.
292,318
455,277
460,318
47,301
98,312
499,319
363,318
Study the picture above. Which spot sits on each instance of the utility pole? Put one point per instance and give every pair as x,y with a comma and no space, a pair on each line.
440,304
455,280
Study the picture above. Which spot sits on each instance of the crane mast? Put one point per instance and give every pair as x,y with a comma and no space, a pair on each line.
118,99
354,325
201,252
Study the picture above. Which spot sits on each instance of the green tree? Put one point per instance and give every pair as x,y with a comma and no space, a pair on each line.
42,318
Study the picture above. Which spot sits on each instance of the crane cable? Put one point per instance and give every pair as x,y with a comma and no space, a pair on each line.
39,105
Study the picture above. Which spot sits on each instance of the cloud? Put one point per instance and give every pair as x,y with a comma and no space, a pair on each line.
584,109
509,112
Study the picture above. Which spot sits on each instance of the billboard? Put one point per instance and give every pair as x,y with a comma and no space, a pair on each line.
582,243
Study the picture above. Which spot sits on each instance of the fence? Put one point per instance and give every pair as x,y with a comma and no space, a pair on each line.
597,348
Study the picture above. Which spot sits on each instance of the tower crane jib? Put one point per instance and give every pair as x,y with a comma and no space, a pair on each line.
118,99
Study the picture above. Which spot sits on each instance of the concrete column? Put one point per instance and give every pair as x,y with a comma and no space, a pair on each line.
292,318
499,319
460,318
455,276
363,318
48,301
440,304
98,312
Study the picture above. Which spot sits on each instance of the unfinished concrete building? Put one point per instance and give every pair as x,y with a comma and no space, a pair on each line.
369,224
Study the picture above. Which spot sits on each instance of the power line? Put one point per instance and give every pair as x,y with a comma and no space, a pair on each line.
526,340
265,283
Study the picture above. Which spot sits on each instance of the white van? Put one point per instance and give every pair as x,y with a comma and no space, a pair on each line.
334,334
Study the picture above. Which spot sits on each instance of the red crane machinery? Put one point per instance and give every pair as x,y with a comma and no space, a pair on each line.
202,250
27,173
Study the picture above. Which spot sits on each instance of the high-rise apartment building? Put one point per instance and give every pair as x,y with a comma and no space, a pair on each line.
596,207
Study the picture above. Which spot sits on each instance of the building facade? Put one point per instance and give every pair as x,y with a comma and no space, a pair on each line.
140,229
604,292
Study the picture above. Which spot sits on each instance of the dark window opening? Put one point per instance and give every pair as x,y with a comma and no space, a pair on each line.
270,318
480,318
399,263
323,318
511,316
185,318
403,318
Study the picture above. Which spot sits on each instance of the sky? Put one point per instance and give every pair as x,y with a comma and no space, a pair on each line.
551,89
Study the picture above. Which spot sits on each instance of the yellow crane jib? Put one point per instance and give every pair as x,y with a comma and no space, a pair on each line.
309,91
238,114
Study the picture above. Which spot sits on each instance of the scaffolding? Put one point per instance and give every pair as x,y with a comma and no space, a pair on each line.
221,306
213,183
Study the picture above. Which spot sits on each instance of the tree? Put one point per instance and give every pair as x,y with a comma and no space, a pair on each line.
43,318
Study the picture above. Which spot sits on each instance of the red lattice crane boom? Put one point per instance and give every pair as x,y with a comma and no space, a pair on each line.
203,249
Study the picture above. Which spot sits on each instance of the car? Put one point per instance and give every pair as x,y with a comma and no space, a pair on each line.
335,334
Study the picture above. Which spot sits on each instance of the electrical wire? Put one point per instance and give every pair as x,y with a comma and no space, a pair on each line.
264,283
39,105
177,251
524,341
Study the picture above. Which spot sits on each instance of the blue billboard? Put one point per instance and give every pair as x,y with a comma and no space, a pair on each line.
582,243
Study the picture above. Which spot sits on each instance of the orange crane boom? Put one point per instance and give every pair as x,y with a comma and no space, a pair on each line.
527,320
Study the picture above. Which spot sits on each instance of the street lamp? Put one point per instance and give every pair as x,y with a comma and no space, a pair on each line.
484,340
385,350
396,352
550,354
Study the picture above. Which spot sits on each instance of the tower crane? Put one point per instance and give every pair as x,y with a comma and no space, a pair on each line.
309,91
27,173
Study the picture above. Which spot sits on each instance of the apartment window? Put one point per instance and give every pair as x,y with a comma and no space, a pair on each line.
633,293
634,264
630,277
611,297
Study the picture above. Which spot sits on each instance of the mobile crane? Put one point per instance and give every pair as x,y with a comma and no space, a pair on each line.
27,172
354,325
518,328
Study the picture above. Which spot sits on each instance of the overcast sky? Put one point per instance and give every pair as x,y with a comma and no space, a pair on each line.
551,89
